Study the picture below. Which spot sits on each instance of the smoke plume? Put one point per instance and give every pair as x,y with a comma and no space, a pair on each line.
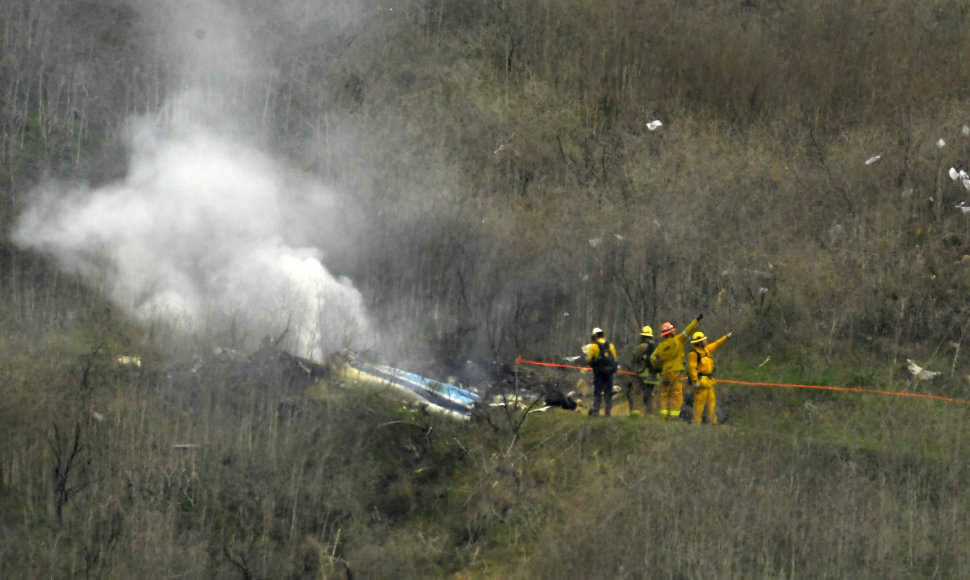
207,232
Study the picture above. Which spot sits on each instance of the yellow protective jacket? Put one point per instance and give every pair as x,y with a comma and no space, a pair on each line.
593,350
699,361
669,354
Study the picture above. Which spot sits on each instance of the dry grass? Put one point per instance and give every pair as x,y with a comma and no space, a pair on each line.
246,479
504,178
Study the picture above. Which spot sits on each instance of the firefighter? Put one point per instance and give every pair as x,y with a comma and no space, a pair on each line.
669,358
700,371
641,385
601,357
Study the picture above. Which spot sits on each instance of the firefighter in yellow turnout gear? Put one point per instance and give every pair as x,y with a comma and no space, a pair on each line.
669,358
601,357
700,369
644,380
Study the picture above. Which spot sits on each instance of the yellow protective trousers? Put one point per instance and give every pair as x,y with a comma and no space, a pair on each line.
704,400
671,395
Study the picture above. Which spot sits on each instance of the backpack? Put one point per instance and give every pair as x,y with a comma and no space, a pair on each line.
605,363
646,358
644,366
699,357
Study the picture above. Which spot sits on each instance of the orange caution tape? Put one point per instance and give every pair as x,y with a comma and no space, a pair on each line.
850,389
519,360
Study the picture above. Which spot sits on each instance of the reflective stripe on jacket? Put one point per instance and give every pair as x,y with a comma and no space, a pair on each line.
640,361
701,364
669,354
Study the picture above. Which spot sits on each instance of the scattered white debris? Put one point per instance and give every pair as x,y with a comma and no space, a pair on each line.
186,445
230,353
132,361
595,242
873,159
762,291
941,144
652,125
906,193
764,362
963,207
966,130
97,416
919,372
571,358
961,175
619,237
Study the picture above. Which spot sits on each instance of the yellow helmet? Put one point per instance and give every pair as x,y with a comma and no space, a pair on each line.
698,337
647,331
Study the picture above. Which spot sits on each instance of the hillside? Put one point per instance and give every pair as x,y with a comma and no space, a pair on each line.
202,472
445,186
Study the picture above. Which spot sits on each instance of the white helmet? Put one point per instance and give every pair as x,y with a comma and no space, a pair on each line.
597,330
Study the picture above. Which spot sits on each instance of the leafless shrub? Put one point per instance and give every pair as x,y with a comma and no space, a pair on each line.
485,146
68,462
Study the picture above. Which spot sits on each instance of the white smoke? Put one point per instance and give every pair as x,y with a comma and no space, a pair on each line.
197,235
207,232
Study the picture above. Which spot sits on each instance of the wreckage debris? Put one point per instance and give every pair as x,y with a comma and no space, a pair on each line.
919,372
558,399
526,391
434,396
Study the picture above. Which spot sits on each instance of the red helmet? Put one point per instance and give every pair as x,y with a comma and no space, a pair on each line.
666,329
